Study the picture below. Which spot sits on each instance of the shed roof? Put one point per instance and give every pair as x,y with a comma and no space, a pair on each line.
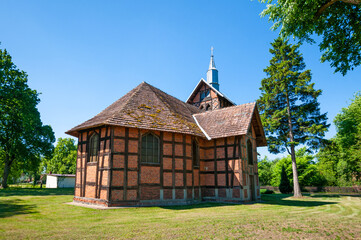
61,175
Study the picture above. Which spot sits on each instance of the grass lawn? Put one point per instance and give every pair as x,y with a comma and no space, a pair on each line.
42,213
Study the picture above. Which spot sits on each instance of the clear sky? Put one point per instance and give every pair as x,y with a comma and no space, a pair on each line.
84,55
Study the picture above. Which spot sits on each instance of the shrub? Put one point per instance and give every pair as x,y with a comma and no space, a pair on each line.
285,186
267,191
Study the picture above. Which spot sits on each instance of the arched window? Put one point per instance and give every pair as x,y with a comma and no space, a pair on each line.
150,149
93,148
207,107
250,152
195,153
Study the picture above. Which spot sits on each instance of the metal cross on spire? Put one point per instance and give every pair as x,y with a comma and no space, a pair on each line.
212,51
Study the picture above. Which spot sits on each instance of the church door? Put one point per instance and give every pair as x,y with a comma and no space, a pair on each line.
252,188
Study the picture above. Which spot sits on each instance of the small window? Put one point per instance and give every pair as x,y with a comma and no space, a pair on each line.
207,107
203,95
150,149
195,154
250,152
93,148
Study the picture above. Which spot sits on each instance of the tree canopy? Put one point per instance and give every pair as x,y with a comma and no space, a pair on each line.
338,22
63,160
23,137
340,160
288,105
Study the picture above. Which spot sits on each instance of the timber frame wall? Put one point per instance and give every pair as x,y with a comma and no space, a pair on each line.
211,102
119,178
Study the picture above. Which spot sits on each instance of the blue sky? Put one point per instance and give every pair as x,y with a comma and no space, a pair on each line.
84,55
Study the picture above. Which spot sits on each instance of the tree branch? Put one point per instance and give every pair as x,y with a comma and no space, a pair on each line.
328,4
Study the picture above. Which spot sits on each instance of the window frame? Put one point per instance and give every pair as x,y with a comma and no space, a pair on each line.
143,157
195,154
250,152
91,148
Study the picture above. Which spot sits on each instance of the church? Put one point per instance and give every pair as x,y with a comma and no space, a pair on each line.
150,148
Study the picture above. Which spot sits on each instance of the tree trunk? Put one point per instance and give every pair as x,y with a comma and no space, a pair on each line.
296,185
4,183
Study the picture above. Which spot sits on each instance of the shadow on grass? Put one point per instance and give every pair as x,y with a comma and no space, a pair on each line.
10,208
272,199
197,205
285,200
35,191
333,195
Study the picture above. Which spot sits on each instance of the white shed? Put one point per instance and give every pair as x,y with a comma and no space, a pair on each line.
60,181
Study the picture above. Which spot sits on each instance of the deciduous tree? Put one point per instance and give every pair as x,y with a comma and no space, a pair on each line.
63,160
340,160
338,22
288,104
23,137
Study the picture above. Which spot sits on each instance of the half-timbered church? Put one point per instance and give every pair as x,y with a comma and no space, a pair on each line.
150,148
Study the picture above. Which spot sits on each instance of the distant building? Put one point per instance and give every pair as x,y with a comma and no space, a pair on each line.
149,148
60,181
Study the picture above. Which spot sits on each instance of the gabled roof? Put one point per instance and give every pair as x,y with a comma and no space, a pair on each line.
202,81
231,121
146,107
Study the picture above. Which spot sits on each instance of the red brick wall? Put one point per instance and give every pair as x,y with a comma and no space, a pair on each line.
91,178
173,178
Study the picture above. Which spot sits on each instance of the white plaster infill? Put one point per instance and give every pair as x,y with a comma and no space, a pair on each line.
204,132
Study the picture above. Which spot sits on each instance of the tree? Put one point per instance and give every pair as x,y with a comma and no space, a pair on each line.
337,21
307,169
23,137
340,160
288,104
285,186
265,170
63,160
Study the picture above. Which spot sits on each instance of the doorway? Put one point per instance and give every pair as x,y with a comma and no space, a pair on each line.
252,188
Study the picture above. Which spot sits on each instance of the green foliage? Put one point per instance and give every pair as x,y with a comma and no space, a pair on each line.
64,157
340,160
338,22
309,173
288,86
265,171
23,137
267,191
285,185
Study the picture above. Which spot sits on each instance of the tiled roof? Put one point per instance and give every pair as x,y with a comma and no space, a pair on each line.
147,107
224,122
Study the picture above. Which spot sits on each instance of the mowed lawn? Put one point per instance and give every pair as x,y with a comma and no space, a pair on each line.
42,213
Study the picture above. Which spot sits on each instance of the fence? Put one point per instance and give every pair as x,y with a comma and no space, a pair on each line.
354,189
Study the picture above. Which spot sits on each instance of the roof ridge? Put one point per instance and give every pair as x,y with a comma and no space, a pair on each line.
184,103
225,108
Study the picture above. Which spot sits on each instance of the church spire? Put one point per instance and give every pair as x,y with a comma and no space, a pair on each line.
212,73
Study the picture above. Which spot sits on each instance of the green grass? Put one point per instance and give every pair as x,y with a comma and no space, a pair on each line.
42,213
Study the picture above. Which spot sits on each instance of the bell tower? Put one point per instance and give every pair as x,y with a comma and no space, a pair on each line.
212,73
